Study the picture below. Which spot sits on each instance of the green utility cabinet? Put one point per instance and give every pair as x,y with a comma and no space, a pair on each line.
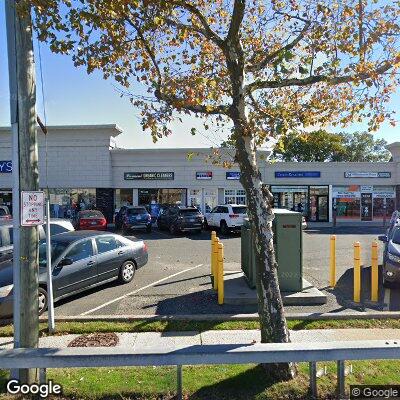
288,243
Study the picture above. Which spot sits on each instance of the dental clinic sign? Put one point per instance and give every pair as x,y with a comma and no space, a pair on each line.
5,167
32,208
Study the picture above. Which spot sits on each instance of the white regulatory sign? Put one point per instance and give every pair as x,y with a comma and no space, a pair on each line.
32,208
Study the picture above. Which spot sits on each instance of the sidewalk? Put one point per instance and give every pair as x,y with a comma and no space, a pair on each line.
146,339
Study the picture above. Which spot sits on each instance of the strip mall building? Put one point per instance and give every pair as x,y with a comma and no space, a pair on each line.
86,169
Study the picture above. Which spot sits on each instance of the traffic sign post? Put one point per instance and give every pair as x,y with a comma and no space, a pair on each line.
32,208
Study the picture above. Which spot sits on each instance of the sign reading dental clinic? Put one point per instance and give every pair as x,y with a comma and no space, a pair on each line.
5,167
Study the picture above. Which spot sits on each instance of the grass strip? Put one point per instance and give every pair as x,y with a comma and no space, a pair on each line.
70,327
209,382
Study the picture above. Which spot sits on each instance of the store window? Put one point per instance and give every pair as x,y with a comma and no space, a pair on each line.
123,197
319,203
66,203
235,196
210,199
293,198
348,202
383,201
194,199
162,196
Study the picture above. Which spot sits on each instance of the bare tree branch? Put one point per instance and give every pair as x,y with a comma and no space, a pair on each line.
331,80
271,56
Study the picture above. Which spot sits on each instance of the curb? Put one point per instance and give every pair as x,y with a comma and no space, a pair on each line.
219,317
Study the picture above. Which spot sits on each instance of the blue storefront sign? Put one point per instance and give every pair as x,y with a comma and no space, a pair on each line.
297,174
233,175
5,167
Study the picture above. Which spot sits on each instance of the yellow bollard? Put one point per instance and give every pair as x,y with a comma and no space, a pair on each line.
215,263
374,271
220,273
213,236
357,272
332,262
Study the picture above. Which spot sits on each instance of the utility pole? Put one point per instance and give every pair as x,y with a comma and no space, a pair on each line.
25,178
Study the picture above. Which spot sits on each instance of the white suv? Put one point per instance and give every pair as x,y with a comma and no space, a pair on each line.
226,217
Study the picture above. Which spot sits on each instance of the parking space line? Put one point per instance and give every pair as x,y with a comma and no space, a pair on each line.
386,301
139,290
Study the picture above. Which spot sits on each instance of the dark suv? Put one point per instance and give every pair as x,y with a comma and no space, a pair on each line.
391,252
135,218
180,219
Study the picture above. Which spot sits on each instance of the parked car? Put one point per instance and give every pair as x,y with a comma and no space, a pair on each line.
81,260
180,219
5,213
90,220
57,225
227,217
136,218
391,253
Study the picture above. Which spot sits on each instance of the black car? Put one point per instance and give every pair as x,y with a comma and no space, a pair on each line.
391,255
180,219
80,260
136,218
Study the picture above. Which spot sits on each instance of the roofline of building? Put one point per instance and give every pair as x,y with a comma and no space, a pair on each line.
111,127
174,149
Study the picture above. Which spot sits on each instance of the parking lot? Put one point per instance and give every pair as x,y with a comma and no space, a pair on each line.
176,279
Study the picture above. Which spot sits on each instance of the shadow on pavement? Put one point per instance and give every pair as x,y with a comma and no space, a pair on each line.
344,290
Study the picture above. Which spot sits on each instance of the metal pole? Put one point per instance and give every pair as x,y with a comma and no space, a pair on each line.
313,379
340,379
50,303
179,382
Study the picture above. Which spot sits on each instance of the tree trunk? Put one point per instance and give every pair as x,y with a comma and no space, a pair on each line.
270,307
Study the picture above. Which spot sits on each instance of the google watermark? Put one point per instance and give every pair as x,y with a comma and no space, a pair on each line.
44,390
374,391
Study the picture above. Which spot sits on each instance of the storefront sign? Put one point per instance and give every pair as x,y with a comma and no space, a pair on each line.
346,195
289,189
367,188
149,176
297,174
233,175
32,208
5,167
366,206
384,195
362,174
204,176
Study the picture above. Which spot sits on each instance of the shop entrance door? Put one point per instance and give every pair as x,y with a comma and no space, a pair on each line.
322,208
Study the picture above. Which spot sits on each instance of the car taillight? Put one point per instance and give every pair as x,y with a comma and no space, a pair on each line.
234,215
103,221
145,248
83,222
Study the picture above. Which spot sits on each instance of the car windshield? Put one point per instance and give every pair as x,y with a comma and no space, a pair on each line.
396,236
136,211
90,214
56,249
239,209
189,211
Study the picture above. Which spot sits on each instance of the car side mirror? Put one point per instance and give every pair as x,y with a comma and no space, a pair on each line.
383,238
65,261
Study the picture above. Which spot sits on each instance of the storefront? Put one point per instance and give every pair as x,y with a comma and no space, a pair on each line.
311,201
97,174
363,202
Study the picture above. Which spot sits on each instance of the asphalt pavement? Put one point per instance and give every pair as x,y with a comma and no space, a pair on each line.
176,279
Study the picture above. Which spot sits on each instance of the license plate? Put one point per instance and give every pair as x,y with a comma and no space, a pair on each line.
93,223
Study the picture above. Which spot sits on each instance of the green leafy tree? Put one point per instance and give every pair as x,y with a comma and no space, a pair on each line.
322,146
362,146
250,65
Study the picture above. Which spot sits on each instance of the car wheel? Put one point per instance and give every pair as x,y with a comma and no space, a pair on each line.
127,271
42,300
148,229
224,228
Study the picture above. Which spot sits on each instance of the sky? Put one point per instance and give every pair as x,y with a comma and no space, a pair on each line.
72,97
